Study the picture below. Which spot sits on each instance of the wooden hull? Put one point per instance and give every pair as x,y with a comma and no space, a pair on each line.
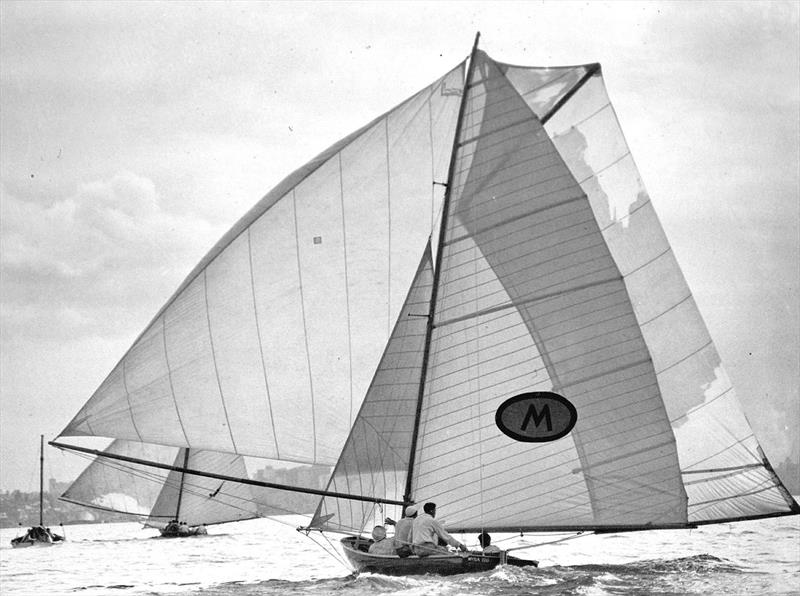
355,549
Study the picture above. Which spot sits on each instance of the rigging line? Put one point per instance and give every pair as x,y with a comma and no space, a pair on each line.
128,398
285,487
305,325
214,361
169,376
573,537
346,288
743,470
261,346
728,469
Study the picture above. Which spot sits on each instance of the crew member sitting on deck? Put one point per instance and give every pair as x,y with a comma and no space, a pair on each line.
427,532
402,532
382,545
485,540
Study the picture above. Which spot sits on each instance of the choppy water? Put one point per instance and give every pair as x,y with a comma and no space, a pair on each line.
268,558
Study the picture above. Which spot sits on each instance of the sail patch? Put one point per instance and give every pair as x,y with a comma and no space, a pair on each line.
536,417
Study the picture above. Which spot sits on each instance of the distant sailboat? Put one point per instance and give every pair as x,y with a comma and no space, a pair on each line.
541,366
39,535
177,503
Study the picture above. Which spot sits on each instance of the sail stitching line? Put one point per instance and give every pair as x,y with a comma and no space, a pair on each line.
519,216
689,355
346,288
305,325
128,398
702,405
579,249
169,376
525,301
261,346
579,356
214,360
723,450
761,488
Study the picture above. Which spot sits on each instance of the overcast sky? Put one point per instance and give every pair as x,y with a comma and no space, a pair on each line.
133,135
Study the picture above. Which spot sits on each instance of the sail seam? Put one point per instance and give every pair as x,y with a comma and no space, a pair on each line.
700,407
169,377
305,325
723,450
685,358
128,398
736,496
214,361
491,132
517,217
261,346
346,288
518,303
608,372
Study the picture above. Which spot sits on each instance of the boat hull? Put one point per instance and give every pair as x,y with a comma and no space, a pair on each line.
355,549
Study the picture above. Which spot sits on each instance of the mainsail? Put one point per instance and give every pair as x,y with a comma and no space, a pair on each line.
268,347
157,496
550,276
554,275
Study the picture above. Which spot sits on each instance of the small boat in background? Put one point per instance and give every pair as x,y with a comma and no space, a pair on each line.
39,535
177,503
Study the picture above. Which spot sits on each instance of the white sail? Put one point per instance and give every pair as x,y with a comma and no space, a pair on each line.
551,280
204,500
376,456
268,347
158,495
555,276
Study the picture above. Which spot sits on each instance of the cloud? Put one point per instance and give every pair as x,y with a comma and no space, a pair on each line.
95,262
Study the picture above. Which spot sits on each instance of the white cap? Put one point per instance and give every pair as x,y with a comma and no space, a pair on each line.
411,510
378,533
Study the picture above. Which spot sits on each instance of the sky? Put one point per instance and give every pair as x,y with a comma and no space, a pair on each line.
133,135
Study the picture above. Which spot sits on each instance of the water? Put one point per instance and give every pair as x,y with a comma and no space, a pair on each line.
265,557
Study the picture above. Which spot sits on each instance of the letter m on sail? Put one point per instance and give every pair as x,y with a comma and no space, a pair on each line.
537,417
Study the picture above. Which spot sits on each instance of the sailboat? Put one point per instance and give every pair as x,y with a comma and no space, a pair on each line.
469,301
169,499
39,535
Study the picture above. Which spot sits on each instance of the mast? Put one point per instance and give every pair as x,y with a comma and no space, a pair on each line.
437,267
41,480
180,488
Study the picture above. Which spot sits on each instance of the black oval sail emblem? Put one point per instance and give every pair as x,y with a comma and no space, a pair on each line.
536,417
